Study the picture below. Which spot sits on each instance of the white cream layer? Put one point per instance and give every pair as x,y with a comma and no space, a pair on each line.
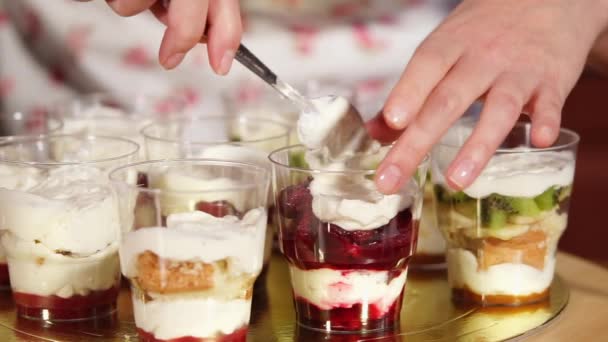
72,209
519,174
198,236
197,317
35,270
327,288
354,203
503,279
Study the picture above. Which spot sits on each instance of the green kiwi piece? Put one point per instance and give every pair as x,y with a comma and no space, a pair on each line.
235,138
494,218
547,200
468,209
524,206
563,193
297,160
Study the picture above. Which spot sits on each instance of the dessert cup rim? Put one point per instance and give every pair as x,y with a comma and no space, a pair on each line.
158,123
573,141
90,137
12,137
61,107
201,161
361,171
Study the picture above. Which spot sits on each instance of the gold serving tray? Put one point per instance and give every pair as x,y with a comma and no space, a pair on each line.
428,314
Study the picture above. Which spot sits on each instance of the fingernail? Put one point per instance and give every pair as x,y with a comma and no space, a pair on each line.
389,178
396,118
226,62
174,60
461,176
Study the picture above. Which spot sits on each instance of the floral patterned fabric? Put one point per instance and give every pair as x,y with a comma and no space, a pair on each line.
54,49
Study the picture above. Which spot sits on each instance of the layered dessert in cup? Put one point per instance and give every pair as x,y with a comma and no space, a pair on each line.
117,115
348,245
193,265
21,125
232,138
60,225
503,230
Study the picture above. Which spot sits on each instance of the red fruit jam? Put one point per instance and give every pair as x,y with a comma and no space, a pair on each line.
239,335
95,304
309,243
5,282
217,208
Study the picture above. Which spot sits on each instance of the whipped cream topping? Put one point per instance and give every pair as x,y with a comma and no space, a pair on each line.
22,178
354,203
524,174
349,201
198,236
333,126
71,210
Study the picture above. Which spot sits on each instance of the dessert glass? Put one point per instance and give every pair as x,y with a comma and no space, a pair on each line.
231,138
193,246
431,248
114,115
348,246
20,125
60,226
503,230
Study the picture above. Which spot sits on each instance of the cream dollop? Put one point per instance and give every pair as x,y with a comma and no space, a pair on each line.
71,210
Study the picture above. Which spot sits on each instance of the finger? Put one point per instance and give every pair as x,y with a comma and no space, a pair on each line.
379,130
127,8
466,82
546,116
224,34
502,108
428,66
186,21
160,12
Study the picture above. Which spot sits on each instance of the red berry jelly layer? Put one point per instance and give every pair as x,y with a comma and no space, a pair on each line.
239,335
95,304
310,243
4,278
358,317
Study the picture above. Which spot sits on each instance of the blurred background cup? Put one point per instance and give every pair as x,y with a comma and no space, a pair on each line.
60,226
232,137
20,124
120,115
193,245
348,247
502,231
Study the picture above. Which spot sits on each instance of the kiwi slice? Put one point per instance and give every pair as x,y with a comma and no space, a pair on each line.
297,160
460,197
524,206
494,218
547,200
235,138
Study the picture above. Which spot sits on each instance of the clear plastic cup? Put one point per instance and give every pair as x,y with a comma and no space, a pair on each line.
431,248
232,138
348,246
60,226
20,124
503,230
120,115
193,246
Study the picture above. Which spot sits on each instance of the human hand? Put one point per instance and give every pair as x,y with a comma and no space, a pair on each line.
518,56
187,21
